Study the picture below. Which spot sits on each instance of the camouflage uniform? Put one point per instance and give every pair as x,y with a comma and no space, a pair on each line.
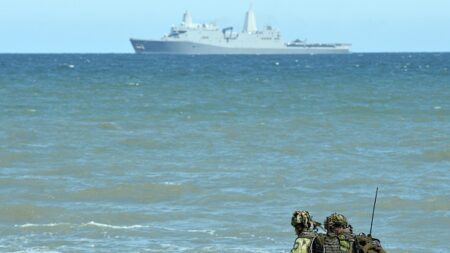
306,235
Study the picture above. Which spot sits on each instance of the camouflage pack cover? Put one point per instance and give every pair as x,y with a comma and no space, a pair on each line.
301,218
367,244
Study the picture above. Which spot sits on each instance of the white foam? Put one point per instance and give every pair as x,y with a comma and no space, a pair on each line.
206,231
171,183
36,250
96,224
29,225
92,223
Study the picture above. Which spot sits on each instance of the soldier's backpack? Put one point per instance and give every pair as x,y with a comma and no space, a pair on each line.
367,244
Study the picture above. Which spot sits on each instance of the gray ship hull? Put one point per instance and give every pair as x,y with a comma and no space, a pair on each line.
192,48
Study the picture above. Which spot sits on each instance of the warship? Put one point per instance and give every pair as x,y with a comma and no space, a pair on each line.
191,38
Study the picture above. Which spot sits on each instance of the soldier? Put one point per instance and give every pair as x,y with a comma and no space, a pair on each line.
306,230
339,237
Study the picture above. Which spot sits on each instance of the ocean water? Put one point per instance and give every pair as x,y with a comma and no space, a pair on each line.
135,153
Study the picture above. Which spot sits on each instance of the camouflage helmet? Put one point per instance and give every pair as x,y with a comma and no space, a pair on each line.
336,219
301,218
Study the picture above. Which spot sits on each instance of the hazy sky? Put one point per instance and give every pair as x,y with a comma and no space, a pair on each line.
73,26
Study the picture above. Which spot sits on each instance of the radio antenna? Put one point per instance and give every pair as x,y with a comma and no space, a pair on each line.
373,212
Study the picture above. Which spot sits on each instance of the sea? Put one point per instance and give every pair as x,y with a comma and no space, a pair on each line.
148,153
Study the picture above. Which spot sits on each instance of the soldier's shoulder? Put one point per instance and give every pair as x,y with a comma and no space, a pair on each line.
309,234
320,237
367,238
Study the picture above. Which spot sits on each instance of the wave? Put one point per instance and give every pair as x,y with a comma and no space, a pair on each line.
437,156
103,225
36,250
27,212
72,225
32,225
206,231
430,204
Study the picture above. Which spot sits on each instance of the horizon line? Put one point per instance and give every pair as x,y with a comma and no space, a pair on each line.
352,52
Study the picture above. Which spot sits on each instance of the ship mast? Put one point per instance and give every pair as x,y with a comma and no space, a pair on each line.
250,22
187,19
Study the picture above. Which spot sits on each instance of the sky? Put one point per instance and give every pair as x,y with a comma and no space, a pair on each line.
105,26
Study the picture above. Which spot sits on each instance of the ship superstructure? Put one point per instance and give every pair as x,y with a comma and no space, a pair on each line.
192,38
